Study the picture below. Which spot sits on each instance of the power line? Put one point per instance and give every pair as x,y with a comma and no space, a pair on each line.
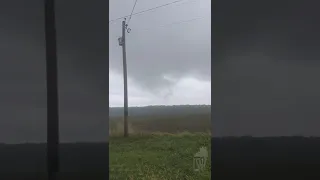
175,23
146,10
180,22
132,12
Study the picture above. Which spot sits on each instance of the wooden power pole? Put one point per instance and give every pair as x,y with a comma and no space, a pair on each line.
122,42
52,91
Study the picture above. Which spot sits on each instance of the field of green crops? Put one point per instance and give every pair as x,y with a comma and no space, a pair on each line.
159,149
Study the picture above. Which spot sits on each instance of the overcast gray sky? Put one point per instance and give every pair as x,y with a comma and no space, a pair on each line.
168,56
265,65
82,40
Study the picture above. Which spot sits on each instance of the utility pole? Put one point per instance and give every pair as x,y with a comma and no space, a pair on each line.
52,91
122,42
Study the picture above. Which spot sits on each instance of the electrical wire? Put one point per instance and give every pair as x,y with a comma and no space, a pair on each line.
146,10
132,12
175,23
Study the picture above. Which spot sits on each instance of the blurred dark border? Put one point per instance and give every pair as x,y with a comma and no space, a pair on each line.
77,160
263,157
259,157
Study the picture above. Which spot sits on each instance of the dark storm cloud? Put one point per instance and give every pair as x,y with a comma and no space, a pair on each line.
82,57
266,68
155,50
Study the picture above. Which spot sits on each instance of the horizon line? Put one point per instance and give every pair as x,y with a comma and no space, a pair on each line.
162,105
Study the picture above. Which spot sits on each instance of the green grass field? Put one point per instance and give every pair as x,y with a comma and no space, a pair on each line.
159,149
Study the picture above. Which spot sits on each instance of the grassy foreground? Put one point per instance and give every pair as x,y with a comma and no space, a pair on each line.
158,156
159,147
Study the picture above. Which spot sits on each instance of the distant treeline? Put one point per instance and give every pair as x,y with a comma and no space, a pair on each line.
161,110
